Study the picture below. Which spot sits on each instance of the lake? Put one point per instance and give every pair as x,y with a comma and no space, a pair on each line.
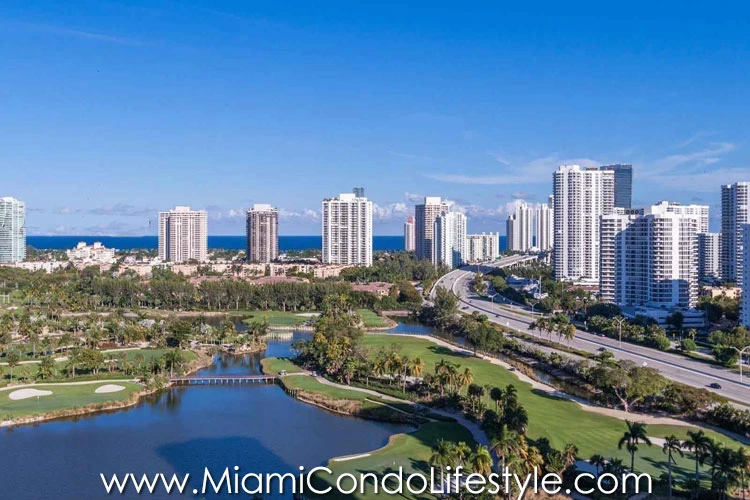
259,428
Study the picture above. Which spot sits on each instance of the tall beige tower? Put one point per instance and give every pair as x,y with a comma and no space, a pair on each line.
262,233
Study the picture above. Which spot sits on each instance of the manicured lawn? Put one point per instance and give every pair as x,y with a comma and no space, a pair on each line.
273,366
62,397
371,319
150,355
309,384
410,451
277,318
561,421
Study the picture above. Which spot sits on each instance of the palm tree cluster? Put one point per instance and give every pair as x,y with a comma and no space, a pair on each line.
394,366
728,468
558,324
448,378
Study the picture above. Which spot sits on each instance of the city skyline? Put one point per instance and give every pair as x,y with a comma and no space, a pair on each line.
491,128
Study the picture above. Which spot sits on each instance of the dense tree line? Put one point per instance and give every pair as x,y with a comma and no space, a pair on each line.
72,290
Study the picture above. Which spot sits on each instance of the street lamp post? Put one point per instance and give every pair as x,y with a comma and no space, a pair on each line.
742,353
620,320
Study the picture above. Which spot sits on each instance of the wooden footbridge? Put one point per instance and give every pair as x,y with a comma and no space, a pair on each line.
225,380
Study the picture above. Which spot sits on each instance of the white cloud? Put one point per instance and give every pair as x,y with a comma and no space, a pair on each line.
390,211
413,197
538,171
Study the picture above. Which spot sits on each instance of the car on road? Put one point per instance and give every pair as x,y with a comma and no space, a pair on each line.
714,385
602,349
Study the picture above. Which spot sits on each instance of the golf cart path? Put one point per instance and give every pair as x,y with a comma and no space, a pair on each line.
609,412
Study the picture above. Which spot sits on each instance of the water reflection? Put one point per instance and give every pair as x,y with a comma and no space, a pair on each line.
182,430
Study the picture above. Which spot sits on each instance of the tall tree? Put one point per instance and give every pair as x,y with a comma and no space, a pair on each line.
635,434
671,445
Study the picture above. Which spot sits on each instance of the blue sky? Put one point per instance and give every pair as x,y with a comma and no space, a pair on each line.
112,111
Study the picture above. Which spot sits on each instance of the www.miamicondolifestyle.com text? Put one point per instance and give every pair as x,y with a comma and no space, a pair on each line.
322,480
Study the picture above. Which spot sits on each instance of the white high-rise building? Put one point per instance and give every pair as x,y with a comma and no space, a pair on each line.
424,223
12,230
409,235
651,259
183,235
449,244
262,230
699,212
735,211
709,256
483,247
745,304
581,197
614,269
347,230
520,228
544,227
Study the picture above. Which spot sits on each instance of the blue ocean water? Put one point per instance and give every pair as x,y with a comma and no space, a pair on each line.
230,242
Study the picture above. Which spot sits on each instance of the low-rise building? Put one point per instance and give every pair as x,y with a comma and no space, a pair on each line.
95,253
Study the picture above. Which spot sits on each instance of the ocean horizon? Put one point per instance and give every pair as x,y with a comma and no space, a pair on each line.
229,242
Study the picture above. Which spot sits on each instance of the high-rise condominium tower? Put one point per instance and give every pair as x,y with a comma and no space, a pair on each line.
424,223
483,247
12,230
544,227
709,256
651,259
183,235
735,211
623,184
409,234
745,305
519,229
449,245
581,197
347,230
262,226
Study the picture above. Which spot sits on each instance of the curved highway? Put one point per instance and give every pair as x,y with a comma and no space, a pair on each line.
672,366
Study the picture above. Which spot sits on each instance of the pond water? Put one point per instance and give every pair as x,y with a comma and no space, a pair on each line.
182,430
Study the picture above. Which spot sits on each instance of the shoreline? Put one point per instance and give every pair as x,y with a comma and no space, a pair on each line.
204,360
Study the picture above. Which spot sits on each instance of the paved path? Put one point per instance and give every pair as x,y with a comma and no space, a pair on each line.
476,432
585,405
678,368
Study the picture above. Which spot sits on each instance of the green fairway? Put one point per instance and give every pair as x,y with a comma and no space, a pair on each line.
276,318
63,397
309,384
559,420
410,451
273,366
370,319
150,355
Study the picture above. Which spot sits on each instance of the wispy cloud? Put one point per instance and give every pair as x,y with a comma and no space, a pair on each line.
390,211
689,161
538,171
413,197
122,209
80,34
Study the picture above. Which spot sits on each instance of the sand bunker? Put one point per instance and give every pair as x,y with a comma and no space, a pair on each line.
27,393
106,389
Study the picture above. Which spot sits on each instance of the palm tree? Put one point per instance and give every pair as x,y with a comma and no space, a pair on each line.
464,379
442,457
506,446
461,453
743,463
727,470
635,433
671,444
598,462
699,444
13,359
496,395
481,460
569,454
